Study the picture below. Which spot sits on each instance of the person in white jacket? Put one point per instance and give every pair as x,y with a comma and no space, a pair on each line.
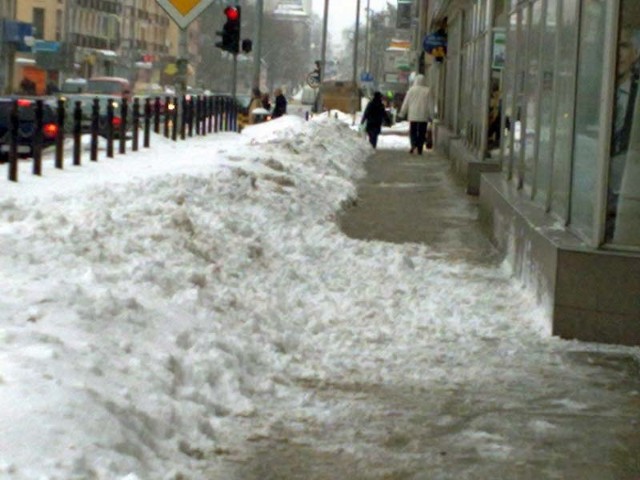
417,107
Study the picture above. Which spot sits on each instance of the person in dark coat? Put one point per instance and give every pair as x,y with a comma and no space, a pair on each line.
281,104
375,114
266,102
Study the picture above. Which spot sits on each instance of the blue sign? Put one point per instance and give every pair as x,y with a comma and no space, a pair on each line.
366,77
46,46
435,41
16,32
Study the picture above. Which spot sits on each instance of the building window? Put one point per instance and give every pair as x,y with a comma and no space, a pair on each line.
562,131
531,104
59,23
547,80
587,116
623,192
38,23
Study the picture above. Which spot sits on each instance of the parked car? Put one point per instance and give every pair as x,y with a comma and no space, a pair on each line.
86,105
26,125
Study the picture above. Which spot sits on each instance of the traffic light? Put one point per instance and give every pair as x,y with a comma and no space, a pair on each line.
230,31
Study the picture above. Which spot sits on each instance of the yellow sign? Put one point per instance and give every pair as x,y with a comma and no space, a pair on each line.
183,12
185,6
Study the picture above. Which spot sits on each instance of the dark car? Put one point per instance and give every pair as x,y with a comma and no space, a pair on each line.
86,106
26,125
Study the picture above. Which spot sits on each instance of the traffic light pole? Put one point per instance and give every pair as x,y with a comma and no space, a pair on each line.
355,107
182,64
257,45
235,75
323,56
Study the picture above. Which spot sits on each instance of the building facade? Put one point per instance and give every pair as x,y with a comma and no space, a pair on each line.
48,40
538,110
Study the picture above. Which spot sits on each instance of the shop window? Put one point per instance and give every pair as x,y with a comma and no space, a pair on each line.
452,87
532,90
547,84
520,92
587,116
565,106
623,194
510,69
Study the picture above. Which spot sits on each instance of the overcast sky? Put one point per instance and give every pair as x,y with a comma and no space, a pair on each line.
342,13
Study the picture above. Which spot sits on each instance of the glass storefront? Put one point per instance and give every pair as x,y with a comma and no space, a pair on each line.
591,63
623,193
549,31
562,133
551,89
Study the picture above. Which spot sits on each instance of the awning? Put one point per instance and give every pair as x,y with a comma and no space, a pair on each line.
25,61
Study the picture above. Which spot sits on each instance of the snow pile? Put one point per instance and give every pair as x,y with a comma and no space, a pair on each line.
127,328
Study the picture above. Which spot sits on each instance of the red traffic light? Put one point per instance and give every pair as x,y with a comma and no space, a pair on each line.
232,13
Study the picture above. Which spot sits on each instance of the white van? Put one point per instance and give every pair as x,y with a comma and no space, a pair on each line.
74,85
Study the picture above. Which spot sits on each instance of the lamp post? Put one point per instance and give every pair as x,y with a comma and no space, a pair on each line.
366,38
257,46
356,96
323,54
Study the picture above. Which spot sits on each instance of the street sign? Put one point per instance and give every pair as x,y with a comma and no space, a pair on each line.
45,46
183,12
366,77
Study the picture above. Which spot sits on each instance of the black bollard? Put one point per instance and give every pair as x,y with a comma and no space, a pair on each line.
124,115
110,129
95,127
234,116
216,114
156,115
14,124
167,116
38,138
183,122
210,112
174,119
59,161
229,114
191,115
147,123
136,124
77,125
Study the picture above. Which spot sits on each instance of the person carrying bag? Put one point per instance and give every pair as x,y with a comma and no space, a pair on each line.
417,107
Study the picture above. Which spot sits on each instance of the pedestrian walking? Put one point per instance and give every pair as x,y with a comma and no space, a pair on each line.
266,102
374,116
256,102
281,104
417,107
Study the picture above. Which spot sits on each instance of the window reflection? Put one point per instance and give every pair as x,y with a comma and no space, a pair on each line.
623,208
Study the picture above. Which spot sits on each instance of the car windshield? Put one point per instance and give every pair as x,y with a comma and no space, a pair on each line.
86,103
73,88
26,113
105,86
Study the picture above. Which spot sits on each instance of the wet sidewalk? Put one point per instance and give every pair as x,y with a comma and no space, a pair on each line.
415,198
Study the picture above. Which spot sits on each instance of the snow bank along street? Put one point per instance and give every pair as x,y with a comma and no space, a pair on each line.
187,311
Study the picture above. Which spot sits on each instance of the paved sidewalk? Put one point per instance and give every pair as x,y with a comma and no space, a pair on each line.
415,198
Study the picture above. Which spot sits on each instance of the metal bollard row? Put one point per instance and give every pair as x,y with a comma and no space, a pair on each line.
52,124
